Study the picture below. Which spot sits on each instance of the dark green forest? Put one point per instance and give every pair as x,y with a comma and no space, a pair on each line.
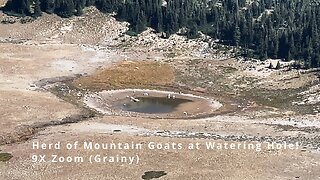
284,29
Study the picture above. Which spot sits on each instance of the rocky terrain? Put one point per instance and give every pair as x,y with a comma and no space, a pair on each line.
47,71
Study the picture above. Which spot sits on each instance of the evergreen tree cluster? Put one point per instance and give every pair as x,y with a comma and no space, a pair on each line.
284,29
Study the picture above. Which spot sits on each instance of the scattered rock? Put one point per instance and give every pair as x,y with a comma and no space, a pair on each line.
153,174
200,89
5,157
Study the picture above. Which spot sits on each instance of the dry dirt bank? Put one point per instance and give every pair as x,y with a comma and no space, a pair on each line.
21,66
178,164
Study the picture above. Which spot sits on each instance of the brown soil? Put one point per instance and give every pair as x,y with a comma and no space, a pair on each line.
178,164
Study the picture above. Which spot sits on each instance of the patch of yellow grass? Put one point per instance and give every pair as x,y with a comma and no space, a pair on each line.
129,74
